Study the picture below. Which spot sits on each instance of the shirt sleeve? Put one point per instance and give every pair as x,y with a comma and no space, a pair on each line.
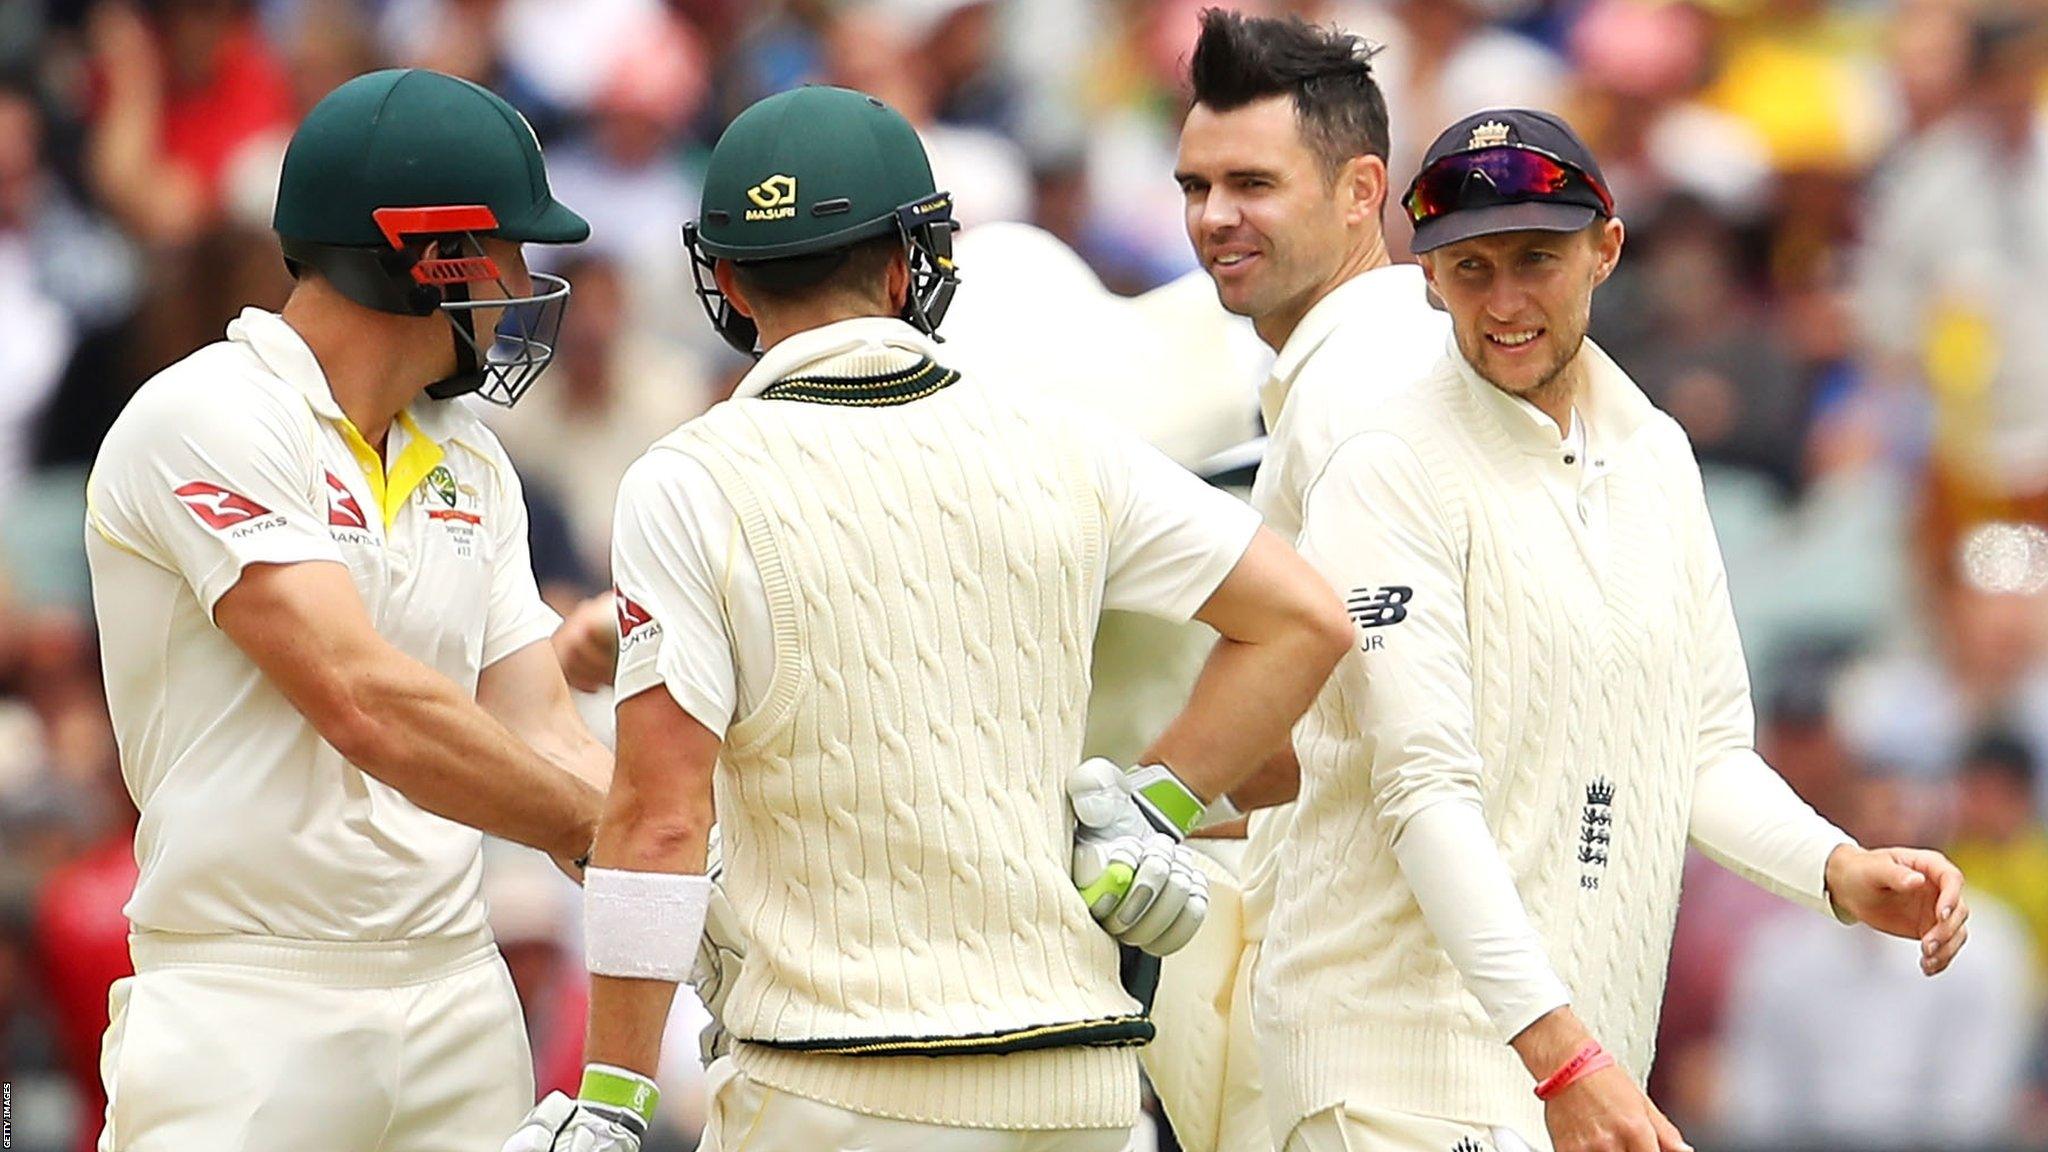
206,491
1172,538
671,603
1371,523
1744,816
516,615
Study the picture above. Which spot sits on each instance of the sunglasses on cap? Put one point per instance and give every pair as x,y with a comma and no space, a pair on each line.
1515,172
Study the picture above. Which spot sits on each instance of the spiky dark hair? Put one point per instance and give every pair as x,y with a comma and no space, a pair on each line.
1337,103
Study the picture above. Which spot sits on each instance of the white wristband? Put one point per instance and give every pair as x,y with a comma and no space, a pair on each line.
643,925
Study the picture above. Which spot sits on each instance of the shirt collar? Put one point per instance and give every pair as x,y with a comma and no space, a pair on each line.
795,353
1611,410
1376,291
285,353
282,350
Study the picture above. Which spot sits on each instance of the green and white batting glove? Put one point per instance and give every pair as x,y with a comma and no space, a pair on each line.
1141,884
610,1114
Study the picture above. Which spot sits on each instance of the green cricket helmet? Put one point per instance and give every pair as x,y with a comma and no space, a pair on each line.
388,186
801,177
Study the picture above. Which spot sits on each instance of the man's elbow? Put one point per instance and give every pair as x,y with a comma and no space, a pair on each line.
1324,629
637,837
364,737
362,714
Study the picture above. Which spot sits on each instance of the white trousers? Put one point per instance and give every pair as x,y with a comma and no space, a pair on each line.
1347,1129
746,1116
266,1046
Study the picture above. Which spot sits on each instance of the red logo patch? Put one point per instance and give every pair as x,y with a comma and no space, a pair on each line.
342,509
217,507
632,617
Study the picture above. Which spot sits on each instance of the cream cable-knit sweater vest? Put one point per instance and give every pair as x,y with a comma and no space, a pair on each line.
1586,730
895,826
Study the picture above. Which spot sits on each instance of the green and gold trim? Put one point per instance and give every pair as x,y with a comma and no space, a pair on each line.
1110,1032
900,387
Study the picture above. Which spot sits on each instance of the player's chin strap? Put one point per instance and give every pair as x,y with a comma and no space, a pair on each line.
469,372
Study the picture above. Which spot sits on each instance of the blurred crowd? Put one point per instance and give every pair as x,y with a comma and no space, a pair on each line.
1836,278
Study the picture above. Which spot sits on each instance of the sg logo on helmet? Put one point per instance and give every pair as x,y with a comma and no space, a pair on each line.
774,198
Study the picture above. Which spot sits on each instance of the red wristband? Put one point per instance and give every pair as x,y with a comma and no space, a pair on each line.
1590,1058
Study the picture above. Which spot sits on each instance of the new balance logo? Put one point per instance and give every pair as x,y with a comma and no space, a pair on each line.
342,509
1379,607
217,507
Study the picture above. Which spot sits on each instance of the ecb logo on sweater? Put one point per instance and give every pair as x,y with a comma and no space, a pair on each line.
1596,832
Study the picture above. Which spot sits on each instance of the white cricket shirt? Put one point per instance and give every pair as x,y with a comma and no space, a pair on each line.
1371,337
694,614
239,455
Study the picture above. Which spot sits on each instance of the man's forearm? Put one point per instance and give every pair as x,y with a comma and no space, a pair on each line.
1240,714
1278,781
1746,818
569,746
629,1016
447,755
627,1020
1468,897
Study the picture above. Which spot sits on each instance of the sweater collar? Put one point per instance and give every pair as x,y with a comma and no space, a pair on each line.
1612,409
864,346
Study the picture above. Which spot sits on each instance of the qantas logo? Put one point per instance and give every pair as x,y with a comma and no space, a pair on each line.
342,509
216,507
632,617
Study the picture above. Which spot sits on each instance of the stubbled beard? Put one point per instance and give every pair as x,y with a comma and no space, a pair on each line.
1553,379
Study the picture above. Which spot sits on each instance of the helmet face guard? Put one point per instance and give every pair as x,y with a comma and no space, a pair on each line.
522,342
434,256
925,229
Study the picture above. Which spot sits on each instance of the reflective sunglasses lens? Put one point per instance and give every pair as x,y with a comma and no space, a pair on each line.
1511,173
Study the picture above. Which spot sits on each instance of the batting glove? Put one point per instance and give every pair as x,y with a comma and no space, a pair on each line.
610,1114
1140,883
720,953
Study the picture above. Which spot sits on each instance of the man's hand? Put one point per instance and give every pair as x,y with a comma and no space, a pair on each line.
1915,893
1603,1111
719,956
559,1124
1141,885
1606,1112
587,643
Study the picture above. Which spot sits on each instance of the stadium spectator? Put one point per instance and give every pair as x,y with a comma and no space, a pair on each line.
1843,284
613,390
1951,291
1998,841
1835,1041
82,945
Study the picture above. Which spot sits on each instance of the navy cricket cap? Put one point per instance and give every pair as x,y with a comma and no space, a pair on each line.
1505,170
